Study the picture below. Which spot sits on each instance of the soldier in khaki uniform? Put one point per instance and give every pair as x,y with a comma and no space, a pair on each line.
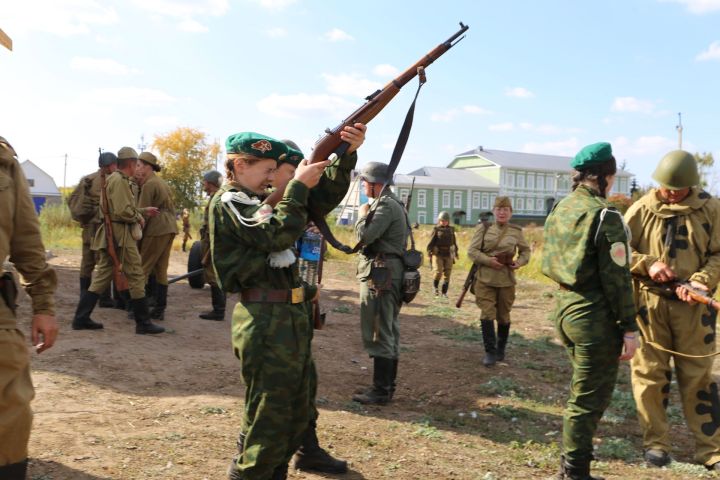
186,228
159,231
20,240
443,247
125,217
84,206
676,237
494,250
211,184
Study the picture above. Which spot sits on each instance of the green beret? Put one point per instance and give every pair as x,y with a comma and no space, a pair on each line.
150,159
127,152
294,155
257,145
592,155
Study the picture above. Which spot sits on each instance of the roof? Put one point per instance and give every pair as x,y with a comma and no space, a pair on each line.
446,177
518,160
43,184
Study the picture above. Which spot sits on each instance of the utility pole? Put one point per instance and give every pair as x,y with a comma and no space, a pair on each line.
65,173
679,128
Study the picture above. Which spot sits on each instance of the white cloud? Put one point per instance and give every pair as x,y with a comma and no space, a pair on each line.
502,127
567,147
451,114
160,121
192,26
337,35
185,11
277,32
475,110
641,146
275,4
385,70
712,53
350,84
698,6
134,96
58,17
632,104
101,65
518,92
303,105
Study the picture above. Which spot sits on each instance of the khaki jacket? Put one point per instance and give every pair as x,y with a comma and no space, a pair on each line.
20,236
155,192
122,209
498,239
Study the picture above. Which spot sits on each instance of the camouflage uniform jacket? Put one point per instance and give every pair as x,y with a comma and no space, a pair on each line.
155,192
122,209
586,252
386,233
505,239
333,185
240,253
692,252
20,236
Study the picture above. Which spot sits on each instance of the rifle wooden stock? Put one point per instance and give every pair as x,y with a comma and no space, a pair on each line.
698,295
121,282
376,102
469,280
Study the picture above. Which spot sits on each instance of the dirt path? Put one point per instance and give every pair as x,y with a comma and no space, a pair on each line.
115,405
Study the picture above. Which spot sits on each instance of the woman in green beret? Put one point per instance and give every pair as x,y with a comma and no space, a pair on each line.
252,254
586,252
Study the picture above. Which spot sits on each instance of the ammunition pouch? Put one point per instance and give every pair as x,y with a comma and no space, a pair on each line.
412,260
380,279
8,290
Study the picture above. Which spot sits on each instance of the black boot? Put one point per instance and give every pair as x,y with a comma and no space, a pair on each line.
120,299
382,383
218,304
488,333
503,332
151,290
14,471
143,325
436,284
445,286
311,456
82,320
393,376
84,284
158,311
579,470
106,300
280,473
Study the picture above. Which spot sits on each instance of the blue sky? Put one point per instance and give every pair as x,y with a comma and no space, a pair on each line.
543,77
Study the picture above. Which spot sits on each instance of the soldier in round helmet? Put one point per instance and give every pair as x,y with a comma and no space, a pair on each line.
443,247
675,239
212,181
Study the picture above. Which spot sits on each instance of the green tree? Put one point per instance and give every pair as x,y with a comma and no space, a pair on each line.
705,163
185,154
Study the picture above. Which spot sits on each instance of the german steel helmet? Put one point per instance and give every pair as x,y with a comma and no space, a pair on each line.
444,216
214,177
677,169
376,172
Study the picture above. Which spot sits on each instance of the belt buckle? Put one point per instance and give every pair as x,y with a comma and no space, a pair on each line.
297,295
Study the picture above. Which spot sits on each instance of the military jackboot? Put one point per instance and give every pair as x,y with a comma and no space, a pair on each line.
311,456
14,471
382,383
218,304
488,333
143,325
158,311
84,284
436,284
575,471
86,305
445,286
503,332
393,376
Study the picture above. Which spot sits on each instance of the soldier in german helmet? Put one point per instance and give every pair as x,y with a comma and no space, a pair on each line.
676,238
251,246
380,271
20,240
84,206
124,216
493,249
443,246
212,181
586,253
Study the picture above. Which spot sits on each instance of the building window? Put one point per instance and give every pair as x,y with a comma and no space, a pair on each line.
520,204
446,200
564,183
539,205
421,217
493,196
476,200
457,199
404,195
421,199
510,179
550,183
520,180
31,182
485,198
531,181
540,182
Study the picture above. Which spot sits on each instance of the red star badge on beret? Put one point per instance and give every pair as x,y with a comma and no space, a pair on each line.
262,145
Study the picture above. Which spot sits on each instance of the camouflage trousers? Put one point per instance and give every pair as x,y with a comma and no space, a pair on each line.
272,342
593,342
16,391
155,253
442,268
687,329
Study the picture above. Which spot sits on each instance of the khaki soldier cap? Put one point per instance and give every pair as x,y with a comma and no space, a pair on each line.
126,153
503,202
150,159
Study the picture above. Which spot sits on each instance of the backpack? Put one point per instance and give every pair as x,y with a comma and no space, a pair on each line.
81,208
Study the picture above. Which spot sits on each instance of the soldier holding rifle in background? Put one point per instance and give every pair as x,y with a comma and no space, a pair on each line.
675,248
443,247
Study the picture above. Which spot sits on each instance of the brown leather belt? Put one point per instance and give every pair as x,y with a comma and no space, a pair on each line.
268,295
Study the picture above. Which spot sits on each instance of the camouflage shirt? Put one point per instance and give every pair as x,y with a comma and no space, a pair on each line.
586,252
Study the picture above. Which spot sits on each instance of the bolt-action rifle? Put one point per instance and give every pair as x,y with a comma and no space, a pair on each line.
121,282
470,279
668,289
